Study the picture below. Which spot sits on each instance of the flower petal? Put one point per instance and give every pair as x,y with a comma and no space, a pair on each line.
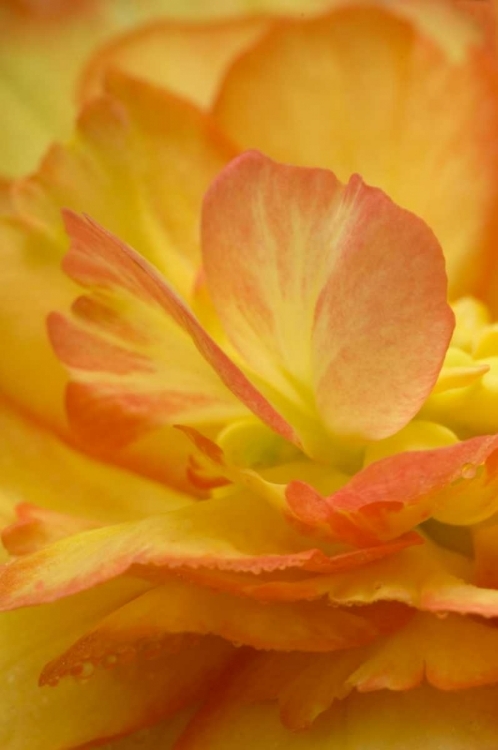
424,649
135,366
38,467
450,654
141,161
455,484
168,615
43,48
176,386
332,294
398,92
72,714
36,527
187,59
237,532
424,717
425,577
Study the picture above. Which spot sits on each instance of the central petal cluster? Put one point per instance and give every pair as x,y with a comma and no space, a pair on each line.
326,306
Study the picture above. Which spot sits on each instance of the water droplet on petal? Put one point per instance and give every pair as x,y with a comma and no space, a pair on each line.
109,661
469,471
83,671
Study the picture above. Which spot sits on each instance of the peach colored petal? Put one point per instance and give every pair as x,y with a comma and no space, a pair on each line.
135,367
45,46
484,13
166,618
136,153
39,468
425,577
36,527
238,532
72,714
485,543
107,410
187,59
332,294
455,484
425,649
161,735
402,93
450,654
424,717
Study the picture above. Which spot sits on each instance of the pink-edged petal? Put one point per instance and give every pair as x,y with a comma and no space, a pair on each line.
457,484
176,613
138,356
240,532
331,293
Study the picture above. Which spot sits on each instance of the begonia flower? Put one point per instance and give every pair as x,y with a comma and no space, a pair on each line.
248,395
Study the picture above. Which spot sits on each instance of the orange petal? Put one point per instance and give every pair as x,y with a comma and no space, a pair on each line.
36,527
425,577
485,543
332,294
136,153
72,715
454,484
237,532
45,45
140,137
187,59
424,717
166,615
399,93
177,386
161,735
450,654
136,368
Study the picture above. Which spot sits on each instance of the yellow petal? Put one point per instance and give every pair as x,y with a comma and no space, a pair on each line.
108,704
236,532
39,468
187,59
421,718
167,615
142,162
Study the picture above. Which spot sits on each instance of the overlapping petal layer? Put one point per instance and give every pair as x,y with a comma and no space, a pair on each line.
289,551
45,46
396,91
422,717
160,150
241,533
176,386
341,253
173,612
72,482
71,715
187,59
